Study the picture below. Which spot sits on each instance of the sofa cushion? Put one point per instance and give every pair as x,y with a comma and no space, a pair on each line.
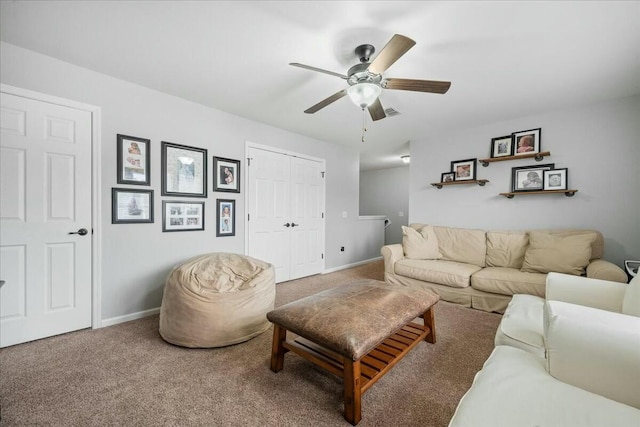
506,248
514,389
509,281
449,273
597,247
631,300
561,254
462,245
522,326
421,244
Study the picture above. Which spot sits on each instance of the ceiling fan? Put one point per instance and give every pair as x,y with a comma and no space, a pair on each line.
366,82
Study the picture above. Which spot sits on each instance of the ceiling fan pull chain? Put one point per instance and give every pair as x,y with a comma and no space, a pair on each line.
364,124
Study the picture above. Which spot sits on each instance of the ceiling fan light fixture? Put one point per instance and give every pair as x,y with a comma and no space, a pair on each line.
364,94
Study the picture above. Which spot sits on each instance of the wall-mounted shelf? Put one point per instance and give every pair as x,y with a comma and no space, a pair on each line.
537,156
480,182
568,193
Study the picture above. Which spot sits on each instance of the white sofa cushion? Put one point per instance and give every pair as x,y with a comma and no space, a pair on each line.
596,350
464,245
521,325
513,389
421,244
631,300
448,273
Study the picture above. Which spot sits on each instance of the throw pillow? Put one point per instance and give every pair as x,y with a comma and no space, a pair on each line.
562,254
421,244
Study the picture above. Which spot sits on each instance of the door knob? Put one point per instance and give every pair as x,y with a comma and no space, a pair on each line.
81,232
293,224
287,225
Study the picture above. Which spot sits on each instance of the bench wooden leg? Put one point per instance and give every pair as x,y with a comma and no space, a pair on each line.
277,349
352,391
430,321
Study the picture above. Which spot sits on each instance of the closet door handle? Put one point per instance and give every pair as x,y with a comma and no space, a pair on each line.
293,224
287,225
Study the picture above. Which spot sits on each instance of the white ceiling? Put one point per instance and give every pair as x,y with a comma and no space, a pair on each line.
505,59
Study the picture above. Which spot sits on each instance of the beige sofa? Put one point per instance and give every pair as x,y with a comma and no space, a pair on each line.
484,269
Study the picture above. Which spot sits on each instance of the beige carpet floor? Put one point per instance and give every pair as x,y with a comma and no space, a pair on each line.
126,375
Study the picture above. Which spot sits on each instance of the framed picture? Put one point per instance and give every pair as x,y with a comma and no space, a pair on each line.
130,206
184,170
556,179
526,141
464,170
502,146
226,218
133,160
529,178
226,175
448,177
182,216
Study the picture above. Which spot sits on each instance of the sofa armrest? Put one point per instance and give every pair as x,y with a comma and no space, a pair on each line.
595,350
391,254
594,293
605,270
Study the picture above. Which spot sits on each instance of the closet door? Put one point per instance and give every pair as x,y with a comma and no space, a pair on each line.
285,223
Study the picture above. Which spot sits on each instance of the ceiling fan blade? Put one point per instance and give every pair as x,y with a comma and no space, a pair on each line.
320,70
397,46
431,86
376,110
326,102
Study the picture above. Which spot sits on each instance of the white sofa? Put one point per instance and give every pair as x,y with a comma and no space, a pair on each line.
562,362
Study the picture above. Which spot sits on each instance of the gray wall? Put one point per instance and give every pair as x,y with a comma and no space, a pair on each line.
137,257
600,144
386,192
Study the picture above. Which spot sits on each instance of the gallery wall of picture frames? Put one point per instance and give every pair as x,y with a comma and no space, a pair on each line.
183,174
535,179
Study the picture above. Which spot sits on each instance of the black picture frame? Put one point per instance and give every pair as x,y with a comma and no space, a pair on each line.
447,177
529,139
133,160
556,179
131,206
226,175
502,146
182,216
464,170
184,170
225,217
529,178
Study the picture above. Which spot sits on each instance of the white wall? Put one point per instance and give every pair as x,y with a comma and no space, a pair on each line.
137,257
386,192
600,145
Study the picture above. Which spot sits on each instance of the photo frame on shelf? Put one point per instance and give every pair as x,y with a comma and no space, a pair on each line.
464,170
184,170
131,206
501,146
556,179
526,141
133,160
448,177
226,175
182,216
225,217
529,178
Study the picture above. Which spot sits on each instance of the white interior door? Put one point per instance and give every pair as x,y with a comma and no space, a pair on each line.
45,178
285,224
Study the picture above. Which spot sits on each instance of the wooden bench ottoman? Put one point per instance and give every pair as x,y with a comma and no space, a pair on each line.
357,331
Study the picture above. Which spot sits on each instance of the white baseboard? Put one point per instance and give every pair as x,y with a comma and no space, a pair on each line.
355,264
128,317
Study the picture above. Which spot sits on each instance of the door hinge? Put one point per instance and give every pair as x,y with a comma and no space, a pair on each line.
322,173
248,217
322,256
323,215
249,161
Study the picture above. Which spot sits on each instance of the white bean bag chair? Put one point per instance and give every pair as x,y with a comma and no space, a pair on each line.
217,299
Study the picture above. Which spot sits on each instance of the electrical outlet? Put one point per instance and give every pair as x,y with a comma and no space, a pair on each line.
344,214
400,213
